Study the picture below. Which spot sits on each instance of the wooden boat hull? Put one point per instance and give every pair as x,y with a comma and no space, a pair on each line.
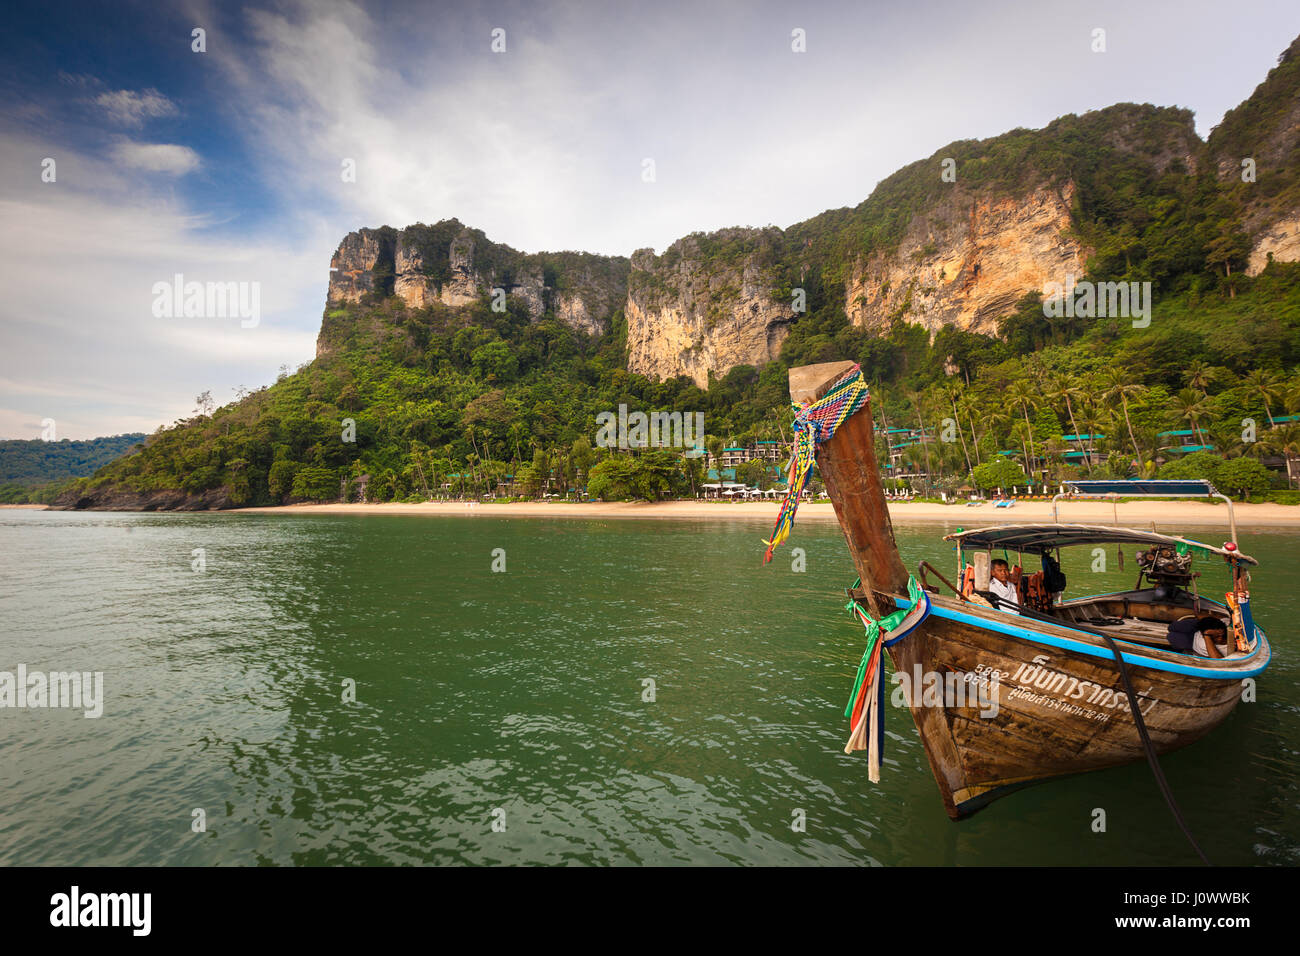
1060,702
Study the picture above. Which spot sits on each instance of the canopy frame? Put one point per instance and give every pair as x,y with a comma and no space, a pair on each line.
1143,489
1041,538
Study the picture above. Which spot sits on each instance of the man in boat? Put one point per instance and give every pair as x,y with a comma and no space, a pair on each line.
1206,636
1001,587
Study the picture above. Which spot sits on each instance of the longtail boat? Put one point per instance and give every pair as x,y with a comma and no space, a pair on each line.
1066,675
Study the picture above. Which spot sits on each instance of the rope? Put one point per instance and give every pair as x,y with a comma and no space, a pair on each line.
813,425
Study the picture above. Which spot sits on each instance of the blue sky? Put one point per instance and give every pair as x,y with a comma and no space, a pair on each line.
225,165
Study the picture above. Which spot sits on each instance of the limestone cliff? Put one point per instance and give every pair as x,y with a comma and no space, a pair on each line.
1256,154
360,264
456,266
929,248
954,240
690,313
1279,240
966,261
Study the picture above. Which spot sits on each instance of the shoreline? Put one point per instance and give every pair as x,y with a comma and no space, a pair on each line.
1131,514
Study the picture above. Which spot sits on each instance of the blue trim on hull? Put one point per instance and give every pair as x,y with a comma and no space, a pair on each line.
915,624
1093,650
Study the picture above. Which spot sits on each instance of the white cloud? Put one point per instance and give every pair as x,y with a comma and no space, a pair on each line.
169,158
78,259
130,108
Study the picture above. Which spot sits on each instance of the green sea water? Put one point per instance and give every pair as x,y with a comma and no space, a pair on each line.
504,716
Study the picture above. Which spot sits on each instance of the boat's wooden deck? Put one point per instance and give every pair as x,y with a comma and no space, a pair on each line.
1119,617
1134,629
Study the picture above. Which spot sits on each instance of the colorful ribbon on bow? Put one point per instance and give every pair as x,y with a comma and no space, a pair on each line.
814,424
866,707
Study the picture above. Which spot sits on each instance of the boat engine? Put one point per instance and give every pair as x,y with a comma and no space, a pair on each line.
1166,569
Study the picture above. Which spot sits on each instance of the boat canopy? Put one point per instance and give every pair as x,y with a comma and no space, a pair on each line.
1039,538
1188,488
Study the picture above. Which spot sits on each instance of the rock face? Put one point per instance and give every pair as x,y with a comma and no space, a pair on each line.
118,499
1279,241
417,289
1256,153
456,266
966,261
361,259
691,314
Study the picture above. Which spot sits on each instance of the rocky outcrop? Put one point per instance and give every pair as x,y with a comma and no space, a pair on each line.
415,282
1279,241
691,314
456,266
110,498
966,261
360,264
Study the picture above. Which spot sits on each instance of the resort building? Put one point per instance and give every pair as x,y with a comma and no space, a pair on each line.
778,451
731,457
1081,447
768,451
1181,442
899,465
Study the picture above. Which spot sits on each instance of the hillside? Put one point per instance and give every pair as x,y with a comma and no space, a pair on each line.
464,364
26,463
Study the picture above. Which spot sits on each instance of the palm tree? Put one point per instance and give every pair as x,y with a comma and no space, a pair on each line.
1090,422
1055,449
418,452
1227,439
517,431
1023,433
884,430
1191,406
1023,394
1199,375
998,422
1062,387
1291,391
952,392
475,457
1117,383
1269,386
920,422
1287,441
967,403
950,461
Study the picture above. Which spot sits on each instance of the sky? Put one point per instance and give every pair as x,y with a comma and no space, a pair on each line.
226,165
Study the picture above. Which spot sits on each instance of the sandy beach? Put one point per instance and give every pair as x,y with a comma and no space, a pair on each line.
1168,515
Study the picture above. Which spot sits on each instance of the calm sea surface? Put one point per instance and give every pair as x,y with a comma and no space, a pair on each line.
517,698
